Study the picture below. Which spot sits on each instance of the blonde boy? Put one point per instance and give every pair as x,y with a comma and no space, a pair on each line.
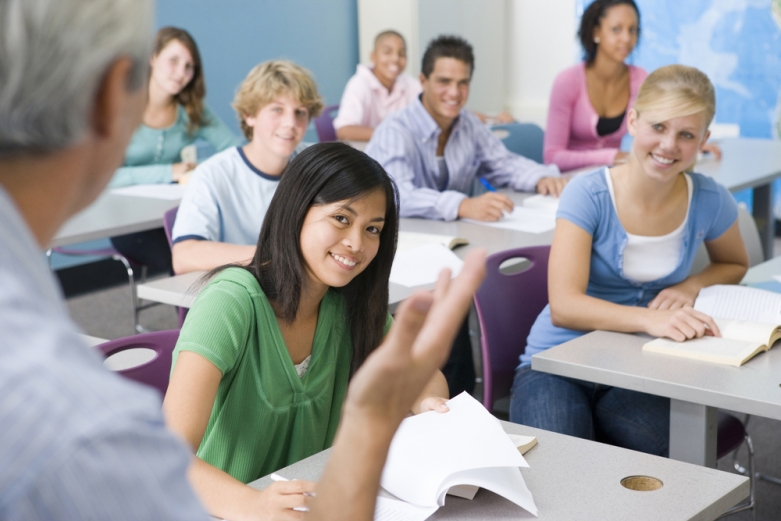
223,208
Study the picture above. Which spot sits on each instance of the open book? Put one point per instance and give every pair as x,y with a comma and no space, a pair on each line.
432,453
749,320
409,240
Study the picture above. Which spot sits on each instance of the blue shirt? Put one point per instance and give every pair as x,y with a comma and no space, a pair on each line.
405,144
586,203
77,441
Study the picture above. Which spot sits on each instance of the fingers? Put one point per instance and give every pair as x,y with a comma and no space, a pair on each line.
551,185
410,317
494,205
434,403
687,323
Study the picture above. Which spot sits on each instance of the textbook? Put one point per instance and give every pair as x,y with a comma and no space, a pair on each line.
749,320
409,240
433,454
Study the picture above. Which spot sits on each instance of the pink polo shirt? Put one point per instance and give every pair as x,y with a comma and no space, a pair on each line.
366,101
571,139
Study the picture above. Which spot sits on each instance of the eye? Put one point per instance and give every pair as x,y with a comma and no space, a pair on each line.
302,113
278,110
634,31
374,230
616,29
658,127
687,135
341,219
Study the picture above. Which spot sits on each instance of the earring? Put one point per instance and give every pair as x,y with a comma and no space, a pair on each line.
596,39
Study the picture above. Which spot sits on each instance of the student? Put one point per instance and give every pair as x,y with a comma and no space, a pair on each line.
434,149
80,442
624,243
222,210
374,92
589,101
175,116
262,364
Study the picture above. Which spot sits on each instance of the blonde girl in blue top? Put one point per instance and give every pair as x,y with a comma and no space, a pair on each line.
623,247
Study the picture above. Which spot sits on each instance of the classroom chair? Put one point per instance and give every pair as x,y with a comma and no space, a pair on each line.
169,218
523,138
507,304
324,124
154,373
731,435
750,235
126,262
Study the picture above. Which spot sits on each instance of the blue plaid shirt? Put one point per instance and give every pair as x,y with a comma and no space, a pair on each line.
77,441
405,144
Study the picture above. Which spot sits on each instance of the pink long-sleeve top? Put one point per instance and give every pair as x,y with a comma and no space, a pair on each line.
571,139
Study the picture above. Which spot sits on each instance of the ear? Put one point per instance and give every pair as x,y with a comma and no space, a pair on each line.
705,139
631,121
113,102
373,57
423,80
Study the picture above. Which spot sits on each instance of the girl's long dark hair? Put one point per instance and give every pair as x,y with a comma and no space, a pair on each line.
323,174
191,96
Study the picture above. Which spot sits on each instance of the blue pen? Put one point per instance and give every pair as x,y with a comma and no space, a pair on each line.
487,185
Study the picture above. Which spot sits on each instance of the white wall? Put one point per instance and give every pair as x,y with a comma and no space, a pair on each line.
541,43
520,45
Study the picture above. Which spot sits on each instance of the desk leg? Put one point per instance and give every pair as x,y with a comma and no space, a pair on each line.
763,214
693,430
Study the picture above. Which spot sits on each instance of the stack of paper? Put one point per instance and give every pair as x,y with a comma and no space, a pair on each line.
543,202
433,452
421,265
409,240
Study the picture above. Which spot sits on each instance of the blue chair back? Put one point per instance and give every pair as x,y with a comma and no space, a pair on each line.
524,139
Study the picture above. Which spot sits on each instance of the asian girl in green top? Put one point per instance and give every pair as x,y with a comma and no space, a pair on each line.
262,364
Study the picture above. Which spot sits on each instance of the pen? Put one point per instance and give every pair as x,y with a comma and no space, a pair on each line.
487,185
277,477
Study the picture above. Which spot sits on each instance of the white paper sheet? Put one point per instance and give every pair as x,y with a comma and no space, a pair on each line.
388,509
740,303
543,202
169,192
421,265
432,452
523,219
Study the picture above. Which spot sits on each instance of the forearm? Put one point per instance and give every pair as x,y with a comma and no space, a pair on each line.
136,175
223,495
581,312
195,255
717,273
437,387
347,491
354,133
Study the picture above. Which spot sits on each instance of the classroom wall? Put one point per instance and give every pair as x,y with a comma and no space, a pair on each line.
235,35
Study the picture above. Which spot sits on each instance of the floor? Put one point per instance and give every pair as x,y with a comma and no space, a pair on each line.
107,314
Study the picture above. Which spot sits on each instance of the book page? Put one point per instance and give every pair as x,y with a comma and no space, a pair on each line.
523,219
420,266
388,509
740,303
545,202
409,240
758,332
429,448
708,348
169,192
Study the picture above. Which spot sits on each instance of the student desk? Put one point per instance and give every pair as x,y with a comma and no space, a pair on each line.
750,163
174,290
572,478
696,389
111,215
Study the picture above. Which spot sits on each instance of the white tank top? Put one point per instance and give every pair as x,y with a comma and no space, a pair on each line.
652,258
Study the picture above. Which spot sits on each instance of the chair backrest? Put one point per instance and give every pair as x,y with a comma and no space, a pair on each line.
507,306
324,124
155,372
169,218
750,235
524,139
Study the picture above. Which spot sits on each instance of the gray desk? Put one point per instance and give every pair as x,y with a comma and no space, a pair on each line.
572,478
696,389
750,163
174,290
112,215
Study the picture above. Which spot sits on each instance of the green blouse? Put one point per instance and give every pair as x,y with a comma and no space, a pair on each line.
265,416
152,151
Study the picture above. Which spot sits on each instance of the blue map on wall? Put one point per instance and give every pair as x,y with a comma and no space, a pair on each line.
737,43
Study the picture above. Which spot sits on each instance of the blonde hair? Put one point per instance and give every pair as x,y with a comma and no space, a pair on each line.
270,80
677,91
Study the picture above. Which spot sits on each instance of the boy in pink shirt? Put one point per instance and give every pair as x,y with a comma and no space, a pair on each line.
374,92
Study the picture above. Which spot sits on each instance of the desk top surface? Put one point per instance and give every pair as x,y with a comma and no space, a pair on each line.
111,215
746,163
572,478
617,359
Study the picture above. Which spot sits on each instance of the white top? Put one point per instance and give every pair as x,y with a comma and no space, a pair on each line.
302,368
225,201
651,258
